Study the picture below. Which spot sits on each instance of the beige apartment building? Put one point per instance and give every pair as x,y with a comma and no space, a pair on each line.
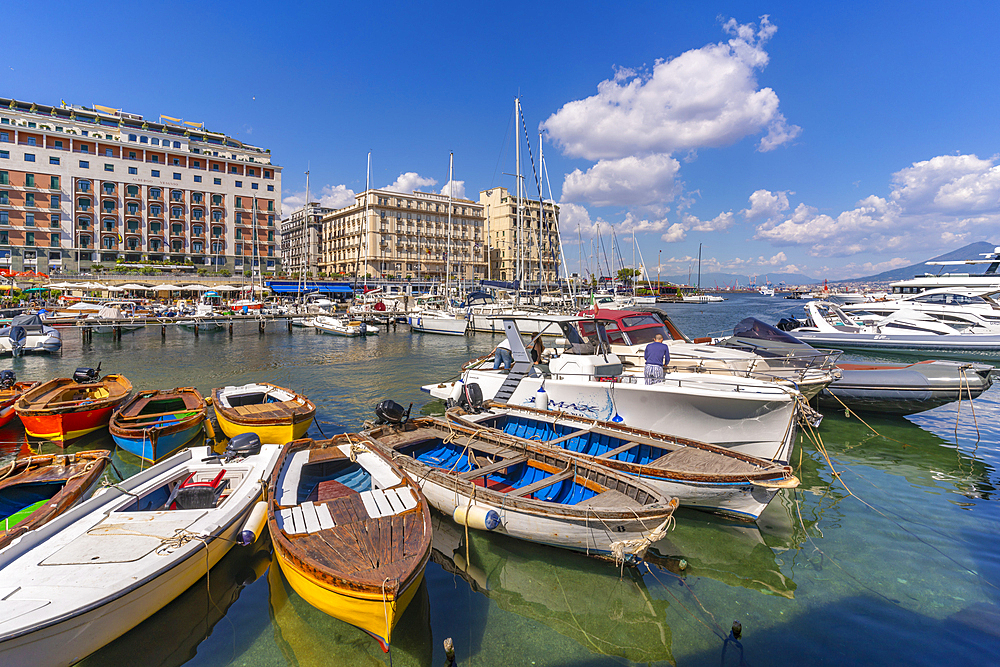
404,236
300,238
515,256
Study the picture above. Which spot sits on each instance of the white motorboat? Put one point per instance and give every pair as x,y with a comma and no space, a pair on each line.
337,326
747,415
433,315
483,313
628,332
989,279
961,308
701,298
766,290
109,318
28,334
828,326
97,571
204,319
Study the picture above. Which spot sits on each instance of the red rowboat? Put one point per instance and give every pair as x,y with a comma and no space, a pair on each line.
65,409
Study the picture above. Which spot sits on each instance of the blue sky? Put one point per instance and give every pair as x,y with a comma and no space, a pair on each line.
837,140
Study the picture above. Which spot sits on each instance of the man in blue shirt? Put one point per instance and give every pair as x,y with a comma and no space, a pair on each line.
657,356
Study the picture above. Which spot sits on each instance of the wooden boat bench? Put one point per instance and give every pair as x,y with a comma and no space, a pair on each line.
611,499
568,436
493,467
618,450
305,518
386,502
543,483
688,459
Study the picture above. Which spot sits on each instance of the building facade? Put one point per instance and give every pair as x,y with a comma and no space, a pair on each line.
81,186
528,250
404,237
300,235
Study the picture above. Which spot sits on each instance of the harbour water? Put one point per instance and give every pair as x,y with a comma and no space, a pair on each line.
902,568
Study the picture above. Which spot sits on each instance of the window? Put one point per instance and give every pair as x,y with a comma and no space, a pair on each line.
270,235
217,248
217,232
176,230
239,250
154,159
215,167
29,219
53,160
109,167
108,224
197,246
109,188
133,171
239,202
197,214
239,233
239,219
132,190
251,172
178,245
270,188
3,238
196,230
176,211
218,181
54,183
253,186
197,179
29,238
84,222
232,170
29,180
4,178
177,176
217,216
58,143
54,220
154,193
108,242
176,162
31,141
131,155
4,220
54,201
155,173
5,136
84,148
196,197
177,144
143,140
4,198
156,142
109,205
239,184
29,157
29,199
154,228
267,174
270,205
83,186
132,137
270,221
108,152
5,155
196,164
217,200
133,225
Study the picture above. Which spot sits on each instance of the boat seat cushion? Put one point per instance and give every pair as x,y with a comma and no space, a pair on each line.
379,502
382,475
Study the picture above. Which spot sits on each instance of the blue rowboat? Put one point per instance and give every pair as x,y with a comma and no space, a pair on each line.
154,423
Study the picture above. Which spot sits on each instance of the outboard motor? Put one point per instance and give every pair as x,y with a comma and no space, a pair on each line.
244,444
18,339
471,399
391,412
788,324
87,375
7,379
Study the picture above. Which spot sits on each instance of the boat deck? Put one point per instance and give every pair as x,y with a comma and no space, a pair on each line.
698,461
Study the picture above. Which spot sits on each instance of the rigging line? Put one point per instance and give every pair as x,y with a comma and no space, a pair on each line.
684,583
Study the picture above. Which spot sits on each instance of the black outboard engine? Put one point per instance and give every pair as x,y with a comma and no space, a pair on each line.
244,444
87,375
391,412
788,324
471,399
7,379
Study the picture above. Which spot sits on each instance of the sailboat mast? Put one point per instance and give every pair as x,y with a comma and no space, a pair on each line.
364,222
451,189
518,237
699,267
308,238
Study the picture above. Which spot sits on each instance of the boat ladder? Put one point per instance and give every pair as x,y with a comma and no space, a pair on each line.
517,372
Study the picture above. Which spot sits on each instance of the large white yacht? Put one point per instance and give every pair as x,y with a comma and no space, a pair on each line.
988,279
962,308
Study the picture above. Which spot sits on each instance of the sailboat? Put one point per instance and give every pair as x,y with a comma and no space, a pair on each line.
441,319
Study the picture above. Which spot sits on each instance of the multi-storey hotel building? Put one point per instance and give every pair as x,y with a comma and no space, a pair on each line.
514,255
300,235
81,186
404,236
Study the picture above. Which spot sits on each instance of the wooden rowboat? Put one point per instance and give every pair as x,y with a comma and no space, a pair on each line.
351,531
8,397
699,475
36,489
275,414
89,576
154,423
64,409
544,496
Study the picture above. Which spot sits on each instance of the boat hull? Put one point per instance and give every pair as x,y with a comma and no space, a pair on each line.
7,412
964,346
63,428
153,447
438,325
270,433
366,612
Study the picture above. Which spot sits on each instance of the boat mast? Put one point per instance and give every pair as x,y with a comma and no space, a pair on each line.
447,254
368,181
305,263
518,237
699,267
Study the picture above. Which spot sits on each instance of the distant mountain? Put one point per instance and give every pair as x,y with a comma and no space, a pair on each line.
711,280
971,251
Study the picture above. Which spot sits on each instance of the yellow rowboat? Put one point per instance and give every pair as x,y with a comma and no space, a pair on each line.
275,414
351,532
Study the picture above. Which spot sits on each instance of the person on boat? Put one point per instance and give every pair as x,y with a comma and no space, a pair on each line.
537,347
502,356
657,355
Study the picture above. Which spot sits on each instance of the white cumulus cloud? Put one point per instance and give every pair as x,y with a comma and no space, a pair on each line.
410,181
331,196
705,97
457,193
766,205
629,181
